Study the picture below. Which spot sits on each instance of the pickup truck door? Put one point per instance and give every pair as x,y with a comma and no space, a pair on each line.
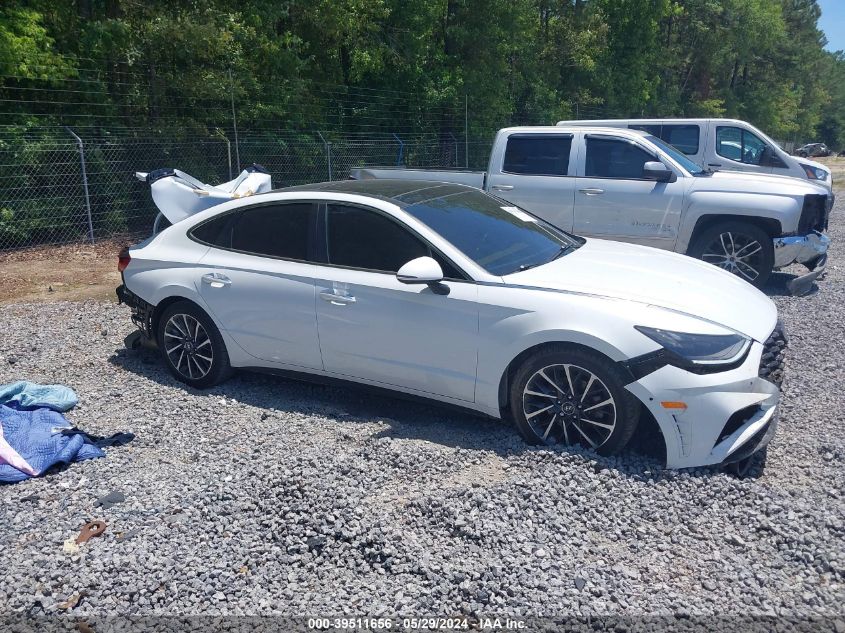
738,149
613,201
534,171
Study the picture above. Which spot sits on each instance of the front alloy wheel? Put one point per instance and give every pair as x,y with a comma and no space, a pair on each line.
567,403
739,247
737,253
571,395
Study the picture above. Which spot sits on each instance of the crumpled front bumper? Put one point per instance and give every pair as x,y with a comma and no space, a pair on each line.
728,415
804,249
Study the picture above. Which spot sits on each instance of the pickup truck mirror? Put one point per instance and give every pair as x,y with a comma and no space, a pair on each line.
655,170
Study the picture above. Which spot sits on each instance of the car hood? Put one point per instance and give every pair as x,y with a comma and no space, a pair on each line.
660,278
745,182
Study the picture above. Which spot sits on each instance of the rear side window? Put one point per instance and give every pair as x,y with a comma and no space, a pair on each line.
684,137
538,155
611,158
275,230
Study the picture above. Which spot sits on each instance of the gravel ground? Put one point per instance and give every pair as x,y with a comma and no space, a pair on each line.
268,496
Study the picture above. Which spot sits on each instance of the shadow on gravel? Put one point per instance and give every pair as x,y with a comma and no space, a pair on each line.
408,419
778,285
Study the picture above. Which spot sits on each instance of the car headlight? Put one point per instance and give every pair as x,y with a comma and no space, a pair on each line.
815,173
700,353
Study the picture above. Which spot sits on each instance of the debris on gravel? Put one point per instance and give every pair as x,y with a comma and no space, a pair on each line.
265,496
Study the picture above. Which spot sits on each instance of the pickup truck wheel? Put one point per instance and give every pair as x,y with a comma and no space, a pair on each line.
742,248
191,346
573,396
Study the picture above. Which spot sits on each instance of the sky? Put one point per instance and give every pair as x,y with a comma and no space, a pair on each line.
833,23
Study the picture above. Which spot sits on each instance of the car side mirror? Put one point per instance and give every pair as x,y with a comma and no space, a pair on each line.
422,270
655,170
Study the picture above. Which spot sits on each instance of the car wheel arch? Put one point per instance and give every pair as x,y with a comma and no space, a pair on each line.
510,370
771,226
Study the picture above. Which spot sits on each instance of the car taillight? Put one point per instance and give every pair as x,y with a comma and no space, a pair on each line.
123,260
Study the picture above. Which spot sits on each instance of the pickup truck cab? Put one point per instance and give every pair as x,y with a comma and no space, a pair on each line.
724,144
630,186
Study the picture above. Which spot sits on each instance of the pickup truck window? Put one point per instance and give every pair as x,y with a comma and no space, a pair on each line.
611,158
684,136
740,145
692,167
497,236
538,155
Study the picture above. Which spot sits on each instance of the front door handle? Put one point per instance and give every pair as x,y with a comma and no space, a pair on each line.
216,280
336,300
503,187
714,164
592,191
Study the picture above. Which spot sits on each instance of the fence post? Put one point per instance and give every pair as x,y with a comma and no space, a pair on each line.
455,141
466,132
234,119
84,183
401,153
328,147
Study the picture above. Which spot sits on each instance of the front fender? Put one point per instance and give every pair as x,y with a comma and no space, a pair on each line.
784,209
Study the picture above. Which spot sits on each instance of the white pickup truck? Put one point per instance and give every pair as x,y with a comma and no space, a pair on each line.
630,186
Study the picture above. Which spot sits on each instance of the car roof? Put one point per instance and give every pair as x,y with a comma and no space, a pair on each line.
569,129
399,192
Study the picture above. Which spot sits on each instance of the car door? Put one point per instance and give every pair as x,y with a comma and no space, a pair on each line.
535,175
738,149
373,327
613,201
258,281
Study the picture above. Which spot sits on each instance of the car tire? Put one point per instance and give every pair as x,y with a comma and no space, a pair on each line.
731,246
586,393
191,346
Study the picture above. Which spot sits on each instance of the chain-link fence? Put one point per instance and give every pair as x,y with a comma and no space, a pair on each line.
60,185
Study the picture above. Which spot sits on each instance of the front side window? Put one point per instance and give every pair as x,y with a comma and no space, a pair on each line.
496,235
360,238
538,155
612,158
740,145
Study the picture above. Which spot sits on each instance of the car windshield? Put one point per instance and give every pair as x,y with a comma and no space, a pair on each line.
679,157
496,235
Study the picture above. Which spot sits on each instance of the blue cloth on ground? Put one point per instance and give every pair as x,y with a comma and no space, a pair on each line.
43,438
28,395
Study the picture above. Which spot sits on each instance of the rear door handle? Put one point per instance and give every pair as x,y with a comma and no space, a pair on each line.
337,300
591,191
503,187
216,280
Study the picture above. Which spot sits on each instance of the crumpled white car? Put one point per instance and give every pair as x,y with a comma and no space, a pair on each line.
444,292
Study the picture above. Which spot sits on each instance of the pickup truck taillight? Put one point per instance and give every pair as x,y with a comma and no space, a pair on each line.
123,260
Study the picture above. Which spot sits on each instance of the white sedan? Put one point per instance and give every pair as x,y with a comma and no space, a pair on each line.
447,293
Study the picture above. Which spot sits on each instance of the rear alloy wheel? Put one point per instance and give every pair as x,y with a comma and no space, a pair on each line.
573,397
191,346
740,248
